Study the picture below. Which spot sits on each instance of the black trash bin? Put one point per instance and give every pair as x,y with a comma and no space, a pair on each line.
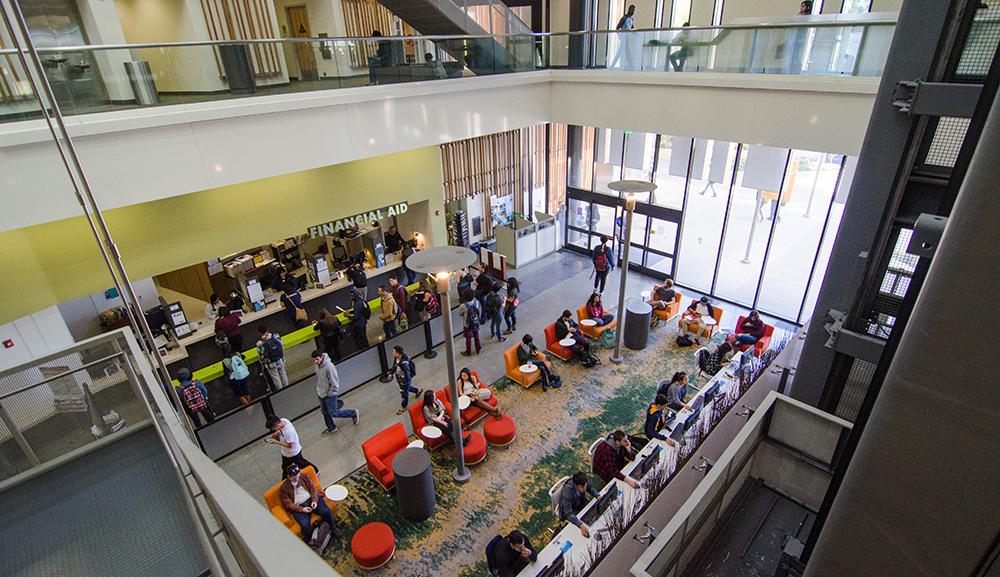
236,63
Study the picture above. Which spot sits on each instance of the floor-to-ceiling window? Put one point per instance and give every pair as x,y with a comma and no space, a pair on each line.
744,223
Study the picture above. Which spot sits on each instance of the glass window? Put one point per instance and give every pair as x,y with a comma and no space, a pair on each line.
608,158
811,179
663,236
578,214
636,254
640,148
604,220
661,264
671,171
704,214
749,224
833,224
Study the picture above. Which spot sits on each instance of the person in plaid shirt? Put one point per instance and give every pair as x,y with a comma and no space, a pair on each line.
611,455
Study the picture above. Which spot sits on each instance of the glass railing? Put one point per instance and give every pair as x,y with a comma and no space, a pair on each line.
87,79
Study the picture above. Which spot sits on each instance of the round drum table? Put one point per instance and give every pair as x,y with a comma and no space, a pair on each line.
637,318
414,484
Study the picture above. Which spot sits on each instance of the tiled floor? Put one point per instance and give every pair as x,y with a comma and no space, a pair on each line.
549,285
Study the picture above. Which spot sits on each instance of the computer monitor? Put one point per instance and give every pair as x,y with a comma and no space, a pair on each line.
156,318
555,568
698,403
712,391
648,463
603,504
692,419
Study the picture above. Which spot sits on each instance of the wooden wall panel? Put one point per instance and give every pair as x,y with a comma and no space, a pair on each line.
244,20
362,18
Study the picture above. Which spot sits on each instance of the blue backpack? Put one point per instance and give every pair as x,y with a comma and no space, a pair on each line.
238,368
490,563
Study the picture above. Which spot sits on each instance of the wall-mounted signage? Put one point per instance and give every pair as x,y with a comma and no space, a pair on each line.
335,226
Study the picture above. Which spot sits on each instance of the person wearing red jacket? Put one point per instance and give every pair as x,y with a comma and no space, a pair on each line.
610,457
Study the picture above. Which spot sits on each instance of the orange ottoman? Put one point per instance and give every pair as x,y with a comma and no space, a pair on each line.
373,545
500,433
475,451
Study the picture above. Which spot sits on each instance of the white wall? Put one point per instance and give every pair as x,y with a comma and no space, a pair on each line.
33,336
80,314
100,20
325,17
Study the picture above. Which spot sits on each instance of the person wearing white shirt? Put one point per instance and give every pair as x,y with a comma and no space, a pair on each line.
212,308
696,313
625,40
284,435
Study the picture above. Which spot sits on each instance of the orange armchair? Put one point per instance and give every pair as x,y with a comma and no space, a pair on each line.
273,500
709,329
592,332
761,345
380,450
673,308
552,344
418,421
514,367
473,413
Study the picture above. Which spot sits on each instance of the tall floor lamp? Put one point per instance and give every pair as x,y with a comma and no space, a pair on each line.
630,188
440,262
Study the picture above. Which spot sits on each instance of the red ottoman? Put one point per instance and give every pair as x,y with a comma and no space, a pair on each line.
373,545
500,433
475,451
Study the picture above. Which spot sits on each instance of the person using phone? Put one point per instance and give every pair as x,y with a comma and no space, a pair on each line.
300,498
284,435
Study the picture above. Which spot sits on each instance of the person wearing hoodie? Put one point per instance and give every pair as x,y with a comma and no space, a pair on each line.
195,397
359,320
327,387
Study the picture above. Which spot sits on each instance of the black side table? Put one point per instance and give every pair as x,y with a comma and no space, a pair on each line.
414,484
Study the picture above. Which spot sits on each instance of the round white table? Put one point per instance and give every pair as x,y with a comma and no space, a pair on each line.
463,402
336,493
431,432
418,444
527,369
709,320
588,323
567,342
646,294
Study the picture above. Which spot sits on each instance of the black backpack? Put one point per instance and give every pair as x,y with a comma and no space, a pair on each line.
413,367
366,311
493,304
684,341
472,317
273,351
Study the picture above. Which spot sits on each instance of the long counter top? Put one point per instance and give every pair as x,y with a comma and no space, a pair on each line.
206,328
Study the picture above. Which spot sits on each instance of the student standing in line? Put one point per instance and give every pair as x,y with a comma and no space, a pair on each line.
494,307
330,331
285,436
409,248
470,323
484,283
271,352
431,305
403,370
356,272
327,387
359,319
239,374
388,311
603,263
400,295
229,323
195,397
510,305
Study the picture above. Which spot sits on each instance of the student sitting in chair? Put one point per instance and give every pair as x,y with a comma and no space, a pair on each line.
573,497
611,455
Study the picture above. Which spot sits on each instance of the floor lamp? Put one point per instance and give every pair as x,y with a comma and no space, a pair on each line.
440,262
630,188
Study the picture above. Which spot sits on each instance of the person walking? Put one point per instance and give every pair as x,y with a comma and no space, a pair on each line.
359,315
626,23
469,312
603,264
327,387
403,370
510,305
494,307
388,311
285,436
271,352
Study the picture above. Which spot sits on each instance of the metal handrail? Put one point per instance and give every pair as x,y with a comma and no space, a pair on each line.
775,25
59,376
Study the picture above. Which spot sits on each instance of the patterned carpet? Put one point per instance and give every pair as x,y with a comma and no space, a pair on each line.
510,488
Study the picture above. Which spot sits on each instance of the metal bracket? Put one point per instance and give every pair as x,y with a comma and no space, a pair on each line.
916,97
857,345
927,234
833,328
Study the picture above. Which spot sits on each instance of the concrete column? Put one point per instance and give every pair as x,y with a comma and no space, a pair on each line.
920,495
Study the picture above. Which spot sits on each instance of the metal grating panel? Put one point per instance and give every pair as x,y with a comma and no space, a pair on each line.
947,142
855,390
980,45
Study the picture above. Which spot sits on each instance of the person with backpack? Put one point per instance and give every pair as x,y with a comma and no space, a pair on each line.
359,315
494,308
327,387
404,370
228,324
603,263
387,312
432,307
271,352
239,374
470,323
511,554
195,397
566,327
510,305
400,295
674,391
409,248
484,283
330,331
356,272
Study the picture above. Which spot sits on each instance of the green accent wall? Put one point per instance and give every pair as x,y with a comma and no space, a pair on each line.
58,261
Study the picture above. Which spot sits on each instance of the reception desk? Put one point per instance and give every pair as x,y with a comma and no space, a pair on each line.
527,241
